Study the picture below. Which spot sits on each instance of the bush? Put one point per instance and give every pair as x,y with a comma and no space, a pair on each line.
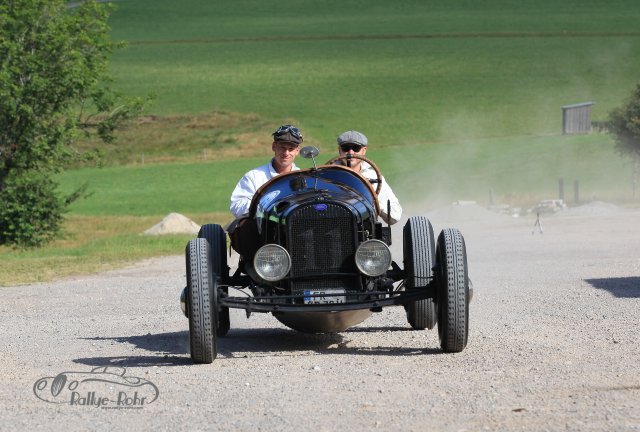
53,84
31,211
624,124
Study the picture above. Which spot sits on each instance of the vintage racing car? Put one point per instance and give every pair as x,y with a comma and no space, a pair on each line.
324,263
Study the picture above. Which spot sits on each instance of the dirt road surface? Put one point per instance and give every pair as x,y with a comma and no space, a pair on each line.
554,345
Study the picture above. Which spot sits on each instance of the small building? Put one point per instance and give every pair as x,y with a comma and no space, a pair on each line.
576,118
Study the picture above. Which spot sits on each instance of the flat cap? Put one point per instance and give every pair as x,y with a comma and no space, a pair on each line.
352,137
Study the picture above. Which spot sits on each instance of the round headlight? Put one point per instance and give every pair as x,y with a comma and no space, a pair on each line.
272,262
373,257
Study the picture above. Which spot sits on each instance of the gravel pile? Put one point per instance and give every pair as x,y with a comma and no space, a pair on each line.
174,223
595,208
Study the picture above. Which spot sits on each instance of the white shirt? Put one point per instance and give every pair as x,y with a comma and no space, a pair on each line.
248,185
386,194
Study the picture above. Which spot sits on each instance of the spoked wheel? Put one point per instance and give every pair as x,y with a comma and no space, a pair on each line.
453,290
419,259
217,239
202,301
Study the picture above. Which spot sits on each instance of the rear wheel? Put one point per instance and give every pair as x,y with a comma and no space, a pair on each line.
419,252
224,322
217,239
202,301
453,290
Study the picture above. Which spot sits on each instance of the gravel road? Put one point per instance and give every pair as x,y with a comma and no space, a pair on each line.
553,345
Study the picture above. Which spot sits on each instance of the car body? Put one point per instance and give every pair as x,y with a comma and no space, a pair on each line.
323,263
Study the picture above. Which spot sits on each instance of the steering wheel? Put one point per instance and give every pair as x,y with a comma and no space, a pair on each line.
346,158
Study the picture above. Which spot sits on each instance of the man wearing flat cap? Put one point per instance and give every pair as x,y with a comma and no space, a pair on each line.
285,146
355,143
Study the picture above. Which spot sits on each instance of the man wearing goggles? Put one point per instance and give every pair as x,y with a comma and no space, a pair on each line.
354,142
285,146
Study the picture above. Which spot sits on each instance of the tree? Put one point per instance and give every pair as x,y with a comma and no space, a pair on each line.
54,85
624,124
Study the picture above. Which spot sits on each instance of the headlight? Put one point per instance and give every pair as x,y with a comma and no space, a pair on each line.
373,257
272,262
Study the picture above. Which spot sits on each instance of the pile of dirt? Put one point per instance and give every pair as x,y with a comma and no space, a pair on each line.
174,223
594,208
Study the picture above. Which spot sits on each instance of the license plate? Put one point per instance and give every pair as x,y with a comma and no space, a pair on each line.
320,296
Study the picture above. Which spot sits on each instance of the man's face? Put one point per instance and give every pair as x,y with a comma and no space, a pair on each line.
345,149
285,153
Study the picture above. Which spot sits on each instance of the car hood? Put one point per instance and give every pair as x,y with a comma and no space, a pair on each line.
325,183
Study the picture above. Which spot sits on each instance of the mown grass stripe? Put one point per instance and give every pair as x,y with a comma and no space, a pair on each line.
462,35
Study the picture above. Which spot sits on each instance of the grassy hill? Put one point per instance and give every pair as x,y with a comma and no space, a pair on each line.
456,97
413,72
483,81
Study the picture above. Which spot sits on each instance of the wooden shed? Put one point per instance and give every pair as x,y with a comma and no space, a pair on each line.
576,118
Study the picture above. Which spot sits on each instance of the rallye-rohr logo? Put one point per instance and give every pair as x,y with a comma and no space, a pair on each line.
103,387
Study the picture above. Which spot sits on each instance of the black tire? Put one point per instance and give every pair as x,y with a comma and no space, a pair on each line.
453,290
419,253
224,323
203,315
217,239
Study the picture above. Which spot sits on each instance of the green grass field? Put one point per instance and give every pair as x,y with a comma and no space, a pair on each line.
457,98
521,169
398,91
423,72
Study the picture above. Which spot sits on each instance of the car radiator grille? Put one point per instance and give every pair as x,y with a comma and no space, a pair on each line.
322,243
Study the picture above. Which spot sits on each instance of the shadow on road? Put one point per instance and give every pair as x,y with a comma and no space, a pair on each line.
136,361
169,349
624,287
377,329
284,342
172,349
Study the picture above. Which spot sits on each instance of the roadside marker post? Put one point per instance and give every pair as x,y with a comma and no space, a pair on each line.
537,224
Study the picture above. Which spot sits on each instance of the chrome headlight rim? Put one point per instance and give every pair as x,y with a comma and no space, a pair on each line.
384,261
262,254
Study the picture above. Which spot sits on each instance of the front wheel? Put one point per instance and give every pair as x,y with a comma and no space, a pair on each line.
453,290
202,302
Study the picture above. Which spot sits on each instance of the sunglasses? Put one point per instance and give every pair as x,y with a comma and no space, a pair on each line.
285,129
355,147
